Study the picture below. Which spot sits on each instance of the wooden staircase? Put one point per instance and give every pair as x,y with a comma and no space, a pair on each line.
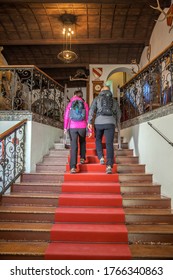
27,213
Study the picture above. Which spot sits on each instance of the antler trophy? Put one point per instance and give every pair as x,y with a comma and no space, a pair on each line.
168,16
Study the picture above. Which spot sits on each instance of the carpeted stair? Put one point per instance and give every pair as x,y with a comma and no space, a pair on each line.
34,212
89,219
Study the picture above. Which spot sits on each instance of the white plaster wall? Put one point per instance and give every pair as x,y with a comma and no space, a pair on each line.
43,138
28,129
153,150
5,125
70,92
160,39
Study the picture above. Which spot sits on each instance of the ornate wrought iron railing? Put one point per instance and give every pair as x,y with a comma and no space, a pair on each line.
12,155
150,88
28,88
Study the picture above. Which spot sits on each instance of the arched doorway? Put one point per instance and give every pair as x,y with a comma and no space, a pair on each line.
117,78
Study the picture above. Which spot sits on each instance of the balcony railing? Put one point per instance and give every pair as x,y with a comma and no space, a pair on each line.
12,155
150,88
28,88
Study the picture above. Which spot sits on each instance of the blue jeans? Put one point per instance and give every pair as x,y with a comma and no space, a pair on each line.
77,135
108,131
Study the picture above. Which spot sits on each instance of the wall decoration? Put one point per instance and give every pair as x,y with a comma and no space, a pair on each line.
97,72
97,86
168,16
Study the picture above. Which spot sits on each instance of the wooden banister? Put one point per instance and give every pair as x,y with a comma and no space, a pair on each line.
10,130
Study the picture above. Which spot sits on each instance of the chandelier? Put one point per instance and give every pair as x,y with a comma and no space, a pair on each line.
67,55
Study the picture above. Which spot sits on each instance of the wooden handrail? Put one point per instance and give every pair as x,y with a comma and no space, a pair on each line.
10,130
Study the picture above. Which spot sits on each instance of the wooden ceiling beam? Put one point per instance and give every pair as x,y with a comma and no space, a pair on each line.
80,1
65,65
87,41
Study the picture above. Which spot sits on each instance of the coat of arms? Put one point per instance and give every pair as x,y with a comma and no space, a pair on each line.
97,72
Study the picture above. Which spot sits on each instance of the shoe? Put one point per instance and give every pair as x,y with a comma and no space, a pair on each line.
102,161
82,161
73,170
109,169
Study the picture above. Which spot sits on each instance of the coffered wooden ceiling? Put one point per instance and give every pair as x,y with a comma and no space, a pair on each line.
106,32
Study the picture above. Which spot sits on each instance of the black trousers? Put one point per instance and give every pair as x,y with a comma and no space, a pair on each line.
77,135
108,131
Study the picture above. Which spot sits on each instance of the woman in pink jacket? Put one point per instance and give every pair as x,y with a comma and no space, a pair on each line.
76,129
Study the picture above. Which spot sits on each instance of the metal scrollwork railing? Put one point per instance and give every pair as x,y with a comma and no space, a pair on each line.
12,155
29,88
150,88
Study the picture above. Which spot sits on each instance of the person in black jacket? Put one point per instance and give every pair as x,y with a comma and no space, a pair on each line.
108,116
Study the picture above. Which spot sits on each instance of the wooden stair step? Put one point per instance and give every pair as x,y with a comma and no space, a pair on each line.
50,168
27,213
34,195
90,145
139,188
130,168
150,233
51,164
55,160
118,159
126,159
43,177
124,152
59,146
25,231
11,226
123,145
138,184
36,187
54,152
59,158
22,250
151,252
19,198
148,216
150,229
97,167
92,152
141,201
135,177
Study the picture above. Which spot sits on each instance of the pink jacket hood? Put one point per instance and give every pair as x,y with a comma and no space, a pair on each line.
68,123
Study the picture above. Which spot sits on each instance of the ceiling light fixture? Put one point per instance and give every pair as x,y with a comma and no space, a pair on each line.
67,55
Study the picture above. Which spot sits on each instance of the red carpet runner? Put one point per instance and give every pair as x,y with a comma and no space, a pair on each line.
89,220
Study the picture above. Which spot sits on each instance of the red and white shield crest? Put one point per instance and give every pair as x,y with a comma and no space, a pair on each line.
97,72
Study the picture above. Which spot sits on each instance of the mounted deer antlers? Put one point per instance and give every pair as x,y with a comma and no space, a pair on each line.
168,16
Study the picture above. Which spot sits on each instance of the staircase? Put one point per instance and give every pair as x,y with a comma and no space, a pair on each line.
43,204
